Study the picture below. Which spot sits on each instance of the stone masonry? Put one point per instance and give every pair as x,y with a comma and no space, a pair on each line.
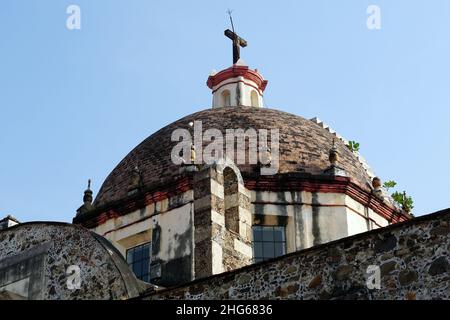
222,220
412,257
35,259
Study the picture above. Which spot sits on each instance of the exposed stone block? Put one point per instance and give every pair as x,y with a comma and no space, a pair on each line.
406,277
439,266
243,248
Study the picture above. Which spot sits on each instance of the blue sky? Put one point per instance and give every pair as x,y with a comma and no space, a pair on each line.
73,103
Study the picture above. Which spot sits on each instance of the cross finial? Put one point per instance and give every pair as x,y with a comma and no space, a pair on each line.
238,42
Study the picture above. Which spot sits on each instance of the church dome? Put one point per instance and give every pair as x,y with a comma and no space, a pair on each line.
303,147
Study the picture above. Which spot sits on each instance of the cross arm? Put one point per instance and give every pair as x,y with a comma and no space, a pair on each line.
230,34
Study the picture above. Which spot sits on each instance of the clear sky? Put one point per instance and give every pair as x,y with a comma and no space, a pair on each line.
73,103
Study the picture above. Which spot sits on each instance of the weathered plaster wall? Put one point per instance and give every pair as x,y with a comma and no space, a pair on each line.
34,258
168,225
313,218
245,87
413,258
200,215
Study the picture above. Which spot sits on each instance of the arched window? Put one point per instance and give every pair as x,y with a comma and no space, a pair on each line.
254,99
226,98
231,200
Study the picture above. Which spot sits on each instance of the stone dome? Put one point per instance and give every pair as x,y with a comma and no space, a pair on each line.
303,146
43,252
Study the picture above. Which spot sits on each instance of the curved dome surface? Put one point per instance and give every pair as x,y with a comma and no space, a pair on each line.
43,251
304,146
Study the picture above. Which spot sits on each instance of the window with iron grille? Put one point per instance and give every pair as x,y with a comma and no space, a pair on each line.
138,258
268,242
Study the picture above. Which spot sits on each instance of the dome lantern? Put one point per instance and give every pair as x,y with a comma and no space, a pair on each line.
237,85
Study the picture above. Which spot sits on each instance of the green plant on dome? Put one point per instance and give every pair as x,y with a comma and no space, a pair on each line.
401,198
389,184
353,146
405,201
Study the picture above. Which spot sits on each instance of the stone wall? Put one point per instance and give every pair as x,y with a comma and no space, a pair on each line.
35,260
412,257
222,221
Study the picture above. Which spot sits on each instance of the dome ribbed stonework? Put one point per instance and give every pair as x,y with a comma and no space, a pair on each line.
304,146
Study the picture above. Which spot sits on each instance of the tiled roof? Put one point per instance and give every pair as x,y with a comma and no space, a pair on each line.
304,146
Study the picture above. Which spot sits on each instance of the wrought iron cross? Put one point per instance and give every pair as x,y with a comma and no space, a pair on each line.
238,42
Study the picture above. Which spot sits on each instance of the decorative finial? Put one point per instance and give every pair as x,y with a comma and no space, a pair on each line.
266,157
193,154
87,198
136,179
376,183
269,155
333,156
